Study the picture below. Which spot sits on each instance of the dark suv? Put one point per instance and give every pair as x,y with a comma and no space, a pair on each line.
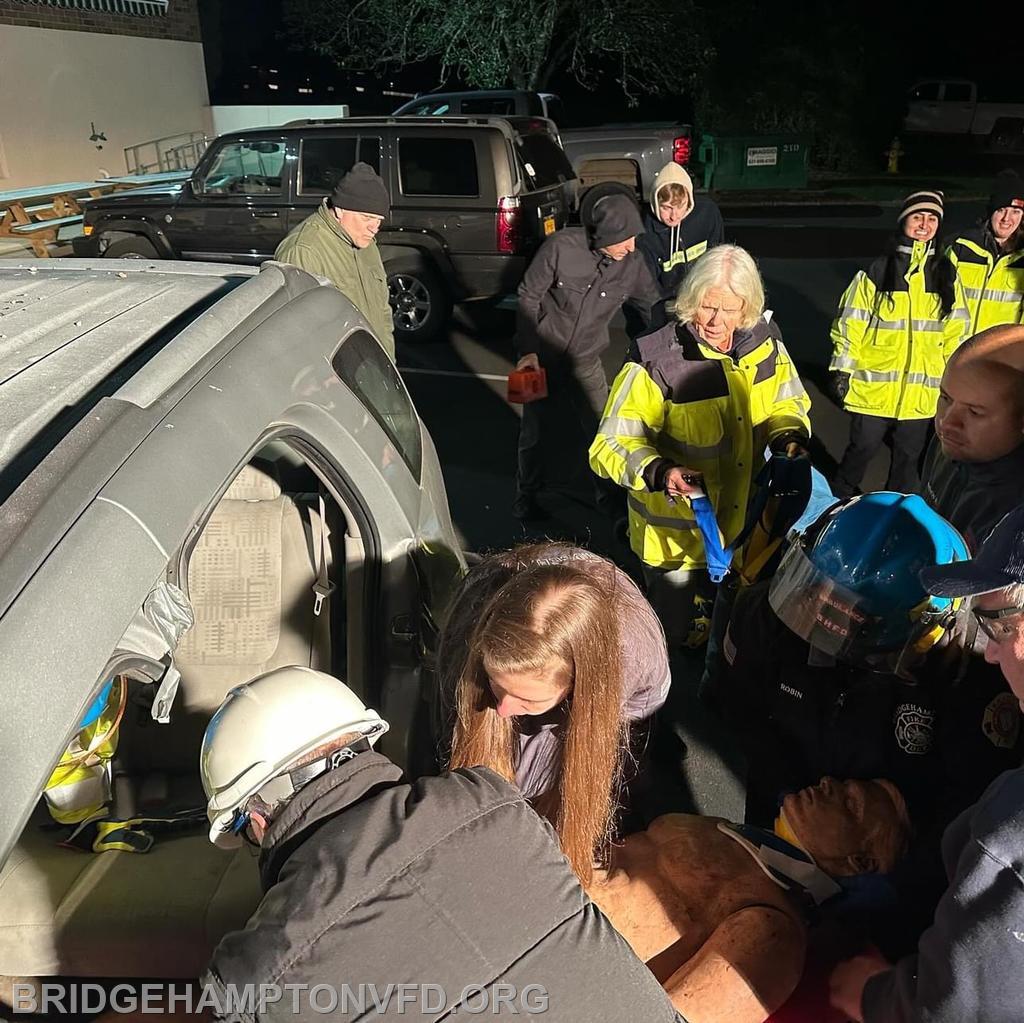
472,197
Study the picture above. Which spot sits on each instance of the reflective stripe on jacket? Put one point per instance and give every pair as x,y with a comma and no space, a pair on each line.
894,345
78,787
684,402
993,283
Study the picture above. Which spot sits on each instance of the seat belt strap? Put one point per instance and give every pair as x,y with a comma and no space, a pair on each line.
323,587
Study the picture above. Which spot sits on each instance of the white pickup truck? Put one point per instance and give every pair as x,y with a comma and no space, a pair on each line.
956,107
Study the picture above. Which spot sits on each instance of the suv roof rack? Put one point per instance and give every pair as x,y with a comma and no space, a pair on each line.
515,120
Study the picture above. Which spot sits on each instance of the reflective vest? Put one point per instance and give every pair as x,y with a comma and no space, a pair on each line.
894,345
993,284
709,411
78,787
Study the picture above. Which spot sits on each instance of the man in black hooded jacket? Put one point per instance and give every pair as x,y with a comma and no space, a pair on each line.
578,280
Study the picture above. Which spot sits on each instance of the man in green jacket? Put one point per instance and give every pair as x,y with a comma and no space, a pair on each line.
338,242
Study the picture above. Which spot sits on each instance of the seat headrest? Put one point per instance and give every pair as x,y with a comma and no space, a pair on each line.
253,484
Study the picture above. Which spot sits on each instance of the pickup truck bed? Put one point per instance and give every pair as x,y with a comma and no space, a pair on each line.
629,153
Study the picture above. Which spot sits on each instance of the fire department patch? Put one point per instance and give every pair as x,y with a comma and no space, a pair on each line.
914,728
1001,723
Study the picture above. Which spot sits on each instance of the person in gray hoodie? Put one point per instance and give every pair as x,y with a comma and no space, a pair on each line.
970,963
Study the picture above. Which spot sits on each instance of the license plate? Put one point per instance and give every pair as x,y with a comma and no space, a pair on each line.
549,225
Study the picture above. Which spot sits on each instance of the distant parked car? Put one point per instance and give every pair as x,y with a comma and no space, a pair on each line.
492,102
472,198
184,439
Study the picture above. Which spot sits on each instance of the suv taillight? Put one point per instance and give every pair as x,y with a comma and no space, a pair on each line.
508,222
681,149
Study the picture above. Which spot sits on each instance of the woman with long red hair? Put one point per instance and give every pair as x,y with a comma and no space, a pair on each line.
548,654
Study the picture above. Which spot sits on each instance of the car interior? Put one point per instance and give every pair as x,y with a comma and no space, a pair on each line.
249,574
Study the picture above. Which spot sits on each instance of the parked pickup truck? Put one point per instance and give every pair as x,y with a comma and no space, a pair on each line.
471,199
631,154
628,153
957,107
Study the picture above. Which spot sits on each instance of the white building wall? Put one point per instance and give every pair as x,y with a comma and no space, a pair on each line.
55,84
238,118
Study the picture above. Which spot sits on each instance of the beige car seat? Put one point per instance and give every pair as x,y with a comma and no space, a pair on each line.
160,914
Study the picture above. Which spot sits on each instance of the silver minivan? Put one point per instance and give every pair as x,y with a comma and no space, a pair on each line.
206,472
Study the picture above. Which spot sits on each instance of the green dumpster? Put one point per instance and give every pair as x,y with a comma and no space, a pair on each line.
754,162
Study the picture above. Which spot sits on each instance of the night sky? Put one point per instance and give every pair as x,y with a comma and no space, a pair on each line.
897,43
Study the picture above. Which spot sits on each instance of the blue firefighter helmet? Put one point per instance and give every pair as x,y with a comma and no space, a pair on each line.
849,583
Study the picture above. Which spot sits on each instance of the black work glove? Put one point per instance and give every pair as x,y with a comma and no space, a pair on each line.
840,385
781,444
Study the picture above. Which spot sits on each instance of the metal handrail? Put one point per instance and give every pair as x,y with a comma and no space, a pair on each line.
173,152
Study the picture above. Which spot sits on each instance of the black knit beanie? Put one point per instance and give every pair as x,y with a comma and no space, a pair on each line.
1007,191
362,191
614,219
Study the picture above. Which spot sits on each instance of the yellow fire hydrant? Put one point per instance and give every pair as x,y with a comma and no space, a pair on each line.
894,152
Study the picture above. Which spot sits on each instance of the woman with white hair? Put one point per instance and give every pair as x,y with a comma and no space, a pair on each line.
692,411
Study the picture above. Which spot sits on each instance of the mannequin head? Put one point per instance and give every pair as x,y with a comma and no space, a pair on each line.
848,827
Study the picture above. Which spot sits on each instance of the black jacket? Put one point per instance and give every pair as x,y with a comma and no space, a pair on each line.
974,496
570,293
941,740
452,883
670,252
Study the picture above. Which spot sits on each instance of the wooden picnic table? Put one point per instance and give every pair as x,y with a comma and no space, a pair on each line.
37,214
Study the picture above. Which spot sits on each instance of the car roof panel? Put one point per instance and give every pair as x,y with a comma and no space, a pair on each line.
65,332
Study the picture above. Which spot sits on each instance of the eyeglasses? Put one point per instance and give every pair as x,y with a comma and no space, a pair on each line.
994,623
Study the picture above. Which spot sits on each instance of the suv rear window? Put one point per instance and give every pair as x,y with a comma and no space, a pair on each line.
429,109
364,367
495,106
322,161
543,160
437,166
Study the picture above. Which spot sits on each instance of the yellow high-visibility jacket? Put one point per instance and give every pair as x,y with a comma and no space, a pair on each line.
681,402
993,283
77,788
894,344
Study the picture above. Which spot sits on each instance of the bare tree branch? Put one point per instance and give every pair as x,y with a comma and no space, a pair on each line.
496,43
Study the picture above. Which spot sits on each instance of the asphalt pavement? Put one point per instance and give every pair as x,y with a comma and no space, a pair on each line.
807,257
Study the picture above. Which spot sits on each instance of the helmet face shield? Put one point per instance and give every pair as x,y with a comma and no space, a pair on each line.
819,610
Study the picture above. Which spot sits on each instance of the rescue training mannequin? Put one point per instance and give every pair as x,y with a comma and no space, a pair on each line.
717,910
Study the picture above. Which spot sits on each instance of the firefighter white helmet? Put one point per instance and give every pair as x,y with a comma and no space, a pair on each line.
264,727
